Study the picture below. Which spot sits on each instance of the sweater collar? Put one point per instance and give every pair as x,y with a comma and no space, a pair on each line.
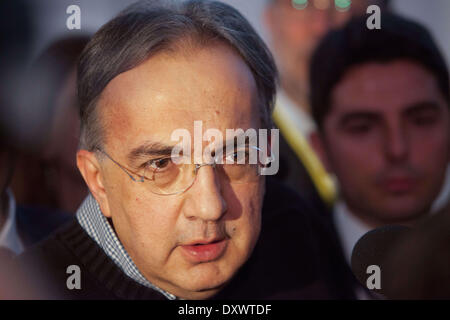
97,226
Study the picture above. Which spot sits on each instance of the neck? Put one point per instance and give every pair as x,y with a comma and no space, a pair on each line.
182,293
371,221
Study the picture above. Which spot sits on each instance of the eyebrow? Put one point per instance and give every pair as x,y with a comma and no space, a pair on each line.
149,149
370,115
233,142
158,149
365,115
423,106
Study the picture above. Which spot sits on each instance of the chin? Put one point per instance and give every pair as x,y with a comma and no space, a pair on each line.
202,288
205,280
403,212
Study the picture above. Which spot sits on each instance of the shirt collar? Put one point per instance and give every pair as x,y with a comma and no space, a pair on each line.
9,238
444,196
96,225
349,228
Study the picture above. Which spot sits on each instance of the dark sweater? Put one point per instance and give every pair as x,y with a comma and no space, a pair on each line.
295,258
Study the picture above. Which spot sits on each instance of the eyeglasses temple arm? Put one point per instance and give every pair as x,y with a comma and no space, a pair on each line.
120,166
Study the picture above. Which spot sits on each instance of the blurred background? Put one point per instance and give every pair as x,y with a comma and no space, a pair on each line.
40,185
49,16
45,136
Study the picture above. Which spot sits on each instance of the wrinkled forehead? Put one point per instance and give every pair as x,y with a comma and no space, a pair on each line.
171,91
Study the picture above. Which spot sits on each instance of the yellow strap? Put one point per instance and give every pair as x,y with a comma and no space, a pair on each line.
321,179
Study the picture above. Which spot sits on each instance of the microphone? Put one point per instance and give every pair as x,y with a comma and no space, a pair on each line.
419,265
368,261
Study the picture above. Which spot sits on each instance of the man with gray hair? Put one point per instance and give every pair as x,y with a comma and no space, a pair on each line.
156,228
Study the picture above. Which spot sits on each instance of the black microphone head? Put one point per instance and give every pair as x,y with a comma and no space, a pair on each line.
370,253
419,265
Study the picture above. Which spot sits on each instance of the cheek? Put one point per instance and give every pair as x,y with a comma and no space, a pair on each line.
430,161
352,157
244,213
154,217
433,153
147,227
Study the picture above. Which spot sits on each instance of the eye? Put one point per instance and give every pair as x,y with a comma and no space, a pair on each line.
359,126
233,156
425,116
238,155
424,119
159,164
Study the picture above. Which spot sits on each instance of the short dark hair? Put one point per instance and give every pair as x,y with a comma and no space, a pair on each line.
355,44
149,27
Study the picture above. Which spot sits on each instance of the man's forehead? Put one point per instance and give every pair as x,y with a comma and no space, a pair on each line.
378,86
169,93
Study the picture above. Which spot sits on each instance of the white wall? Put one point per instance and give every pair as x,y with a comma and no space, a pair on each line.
50,16
435,14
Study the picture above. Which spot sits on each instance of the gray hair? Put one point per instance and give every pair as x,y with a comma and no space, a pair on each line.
149,27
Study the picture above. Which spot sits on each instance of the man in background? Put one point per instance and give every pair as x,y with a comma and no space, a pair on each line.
381,101
295,28
46,175
19,227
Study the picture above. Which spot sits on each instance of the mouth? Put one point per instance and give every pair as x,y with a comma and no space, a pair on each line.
204,250
399,185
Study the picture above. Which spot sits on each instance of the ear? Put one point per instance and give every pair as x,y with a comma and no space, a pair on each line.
318,143
90,169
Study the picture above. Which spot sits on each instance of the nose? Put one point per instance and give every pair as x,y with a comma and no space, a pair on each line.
321,22
204,199
396,142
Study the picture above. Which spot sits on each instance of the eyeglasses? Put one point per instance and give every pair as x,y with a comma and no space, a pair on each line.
174,175
340,5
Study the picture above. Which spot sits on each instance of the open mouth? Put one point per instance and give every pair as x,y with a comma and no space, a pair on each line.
204,251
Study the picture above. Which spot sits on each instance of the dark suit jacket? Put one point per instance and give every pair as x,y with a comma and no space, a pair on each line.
293,173
35,224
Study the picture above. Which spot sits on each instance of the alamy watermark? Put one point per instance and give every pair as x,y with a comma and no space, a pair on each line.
374,20
249,146
374,280
73,21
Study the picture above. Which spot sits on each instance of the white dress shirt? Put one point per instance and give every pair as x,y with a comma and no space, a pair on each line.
444,195
349,228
